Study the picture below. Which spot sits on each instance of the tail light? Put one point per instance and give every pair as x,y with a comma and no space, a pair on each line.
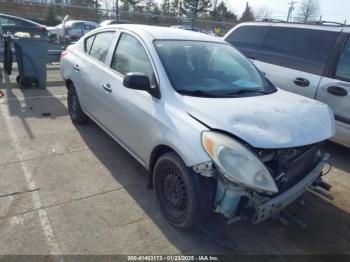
42,28
63,53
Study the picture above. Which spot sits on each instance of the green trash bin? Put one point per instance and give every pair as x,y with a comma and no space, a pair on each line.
32,55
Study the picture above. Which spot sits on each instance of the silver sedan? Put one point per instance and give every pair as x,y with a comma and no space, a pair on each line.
213,132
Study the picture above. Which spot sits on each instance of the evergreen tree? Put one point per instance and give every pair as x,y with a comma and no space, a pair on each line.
175,7
247,15
156,10
222,12
166,6
195,7
125,5
50,16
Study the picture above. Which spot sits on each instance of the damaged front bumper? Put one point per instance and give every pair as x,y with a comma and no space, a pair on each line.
272,206
260,207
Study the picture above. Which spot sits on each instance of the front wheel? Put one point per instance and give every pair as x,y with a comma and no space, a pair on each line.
75,112
175,190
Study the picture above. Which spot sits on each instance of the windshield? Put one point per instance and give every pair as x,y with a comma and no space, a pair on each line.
210,69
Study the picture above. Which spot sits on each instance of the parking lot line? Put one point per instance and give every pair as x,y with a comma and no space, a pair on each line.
44,220
20,99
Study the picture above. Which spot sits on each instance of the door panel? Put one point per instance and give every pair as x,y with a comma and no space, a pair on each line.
294,58
336,94
335,91
129,113
295,81
90,69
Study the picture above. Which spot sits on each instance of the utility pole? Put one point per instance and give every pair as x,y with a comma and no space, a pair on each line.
290,10
193,13
117,10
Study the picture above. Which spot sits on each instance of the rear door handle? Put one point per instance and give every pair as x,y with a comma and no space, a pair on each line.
337,91
76,67
107,87
301,82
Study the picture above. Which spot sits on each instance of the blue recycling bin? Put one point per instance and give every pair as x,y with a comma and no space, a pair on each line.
32,56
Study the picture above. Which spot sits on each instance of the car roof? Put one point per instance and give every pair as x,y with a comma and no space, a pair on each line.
80,21
169,33
325,27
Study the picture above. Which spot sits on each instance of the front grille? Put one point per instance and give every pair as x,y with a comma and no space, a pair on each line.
289,166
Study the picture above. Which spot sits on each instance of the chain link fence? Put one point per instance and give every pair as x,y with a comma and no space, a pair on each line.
50,13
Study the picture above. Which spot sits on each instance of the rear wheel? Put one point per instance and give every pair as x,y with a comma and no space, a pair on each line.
25,82
75,112
178,190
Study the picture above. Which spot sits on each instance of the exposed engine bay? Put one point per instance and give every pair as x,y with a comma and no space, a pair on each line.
294,171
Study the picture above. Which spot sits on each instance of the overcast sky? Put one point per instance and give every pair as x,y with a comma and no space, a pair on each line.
331,10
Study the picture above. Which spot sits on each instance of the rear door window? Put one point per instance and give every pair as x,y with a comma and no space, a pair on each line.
100,45
296,48
130,56
247,39
343,68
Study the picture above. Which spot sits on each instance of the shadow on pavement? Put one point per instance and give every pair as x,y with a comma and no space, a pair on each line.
327,231
339,156
22,102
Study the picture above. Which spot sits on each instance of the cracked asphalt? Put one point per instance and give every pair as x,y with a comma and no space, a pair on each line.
73,190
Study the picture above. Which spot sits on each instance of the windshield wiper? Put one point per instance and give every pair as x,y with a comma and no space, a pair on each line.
247,91
196,92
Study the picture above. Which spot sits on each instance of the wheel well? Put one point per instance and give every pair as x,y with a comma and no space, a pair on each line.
156,153
69,83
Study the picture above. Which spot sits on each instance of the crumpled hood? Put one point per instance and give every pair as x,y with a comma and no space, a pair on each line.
278,120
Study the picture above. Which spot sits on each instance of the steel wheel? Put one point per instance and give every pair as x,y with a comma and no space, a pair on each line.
75,112
175,191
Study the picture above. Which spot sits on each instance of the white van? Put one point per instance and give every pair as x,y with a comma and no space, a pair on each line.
310,60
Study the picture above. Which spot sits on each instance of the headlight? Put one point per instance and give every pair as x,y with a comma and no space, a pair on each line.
237,163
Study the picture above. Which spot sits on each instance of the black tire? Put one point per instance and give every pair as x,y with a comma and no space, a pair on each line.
177,189
26,82
75,112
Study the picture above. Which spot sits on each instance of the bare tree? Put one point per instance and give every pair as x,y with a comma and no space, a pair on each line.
309,10
263,13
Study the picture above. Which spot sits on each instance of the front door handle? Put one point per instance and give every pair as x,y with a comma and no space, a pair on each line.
76,67
107,87
337,91
301,82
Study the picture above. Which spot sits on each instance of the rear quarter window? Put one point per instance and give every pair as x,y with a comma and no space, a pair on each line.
88,43
296,48
101,44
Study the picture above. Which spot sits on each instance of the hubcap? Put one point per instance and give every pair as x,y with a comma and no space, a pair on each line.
173,192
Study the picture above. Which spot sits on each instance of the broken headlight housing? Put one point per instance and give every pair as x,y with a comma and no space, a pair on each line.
237,163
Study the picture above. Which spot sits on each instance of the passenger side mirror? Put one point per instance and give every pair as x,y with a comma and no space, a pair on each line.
140,81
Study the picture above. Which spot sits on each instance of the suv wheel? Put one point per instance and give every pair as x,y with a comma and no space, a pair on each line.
75,112
175,190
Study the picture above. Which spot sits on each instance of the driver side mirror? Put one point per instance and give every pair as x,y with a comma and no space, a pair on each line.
140,81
